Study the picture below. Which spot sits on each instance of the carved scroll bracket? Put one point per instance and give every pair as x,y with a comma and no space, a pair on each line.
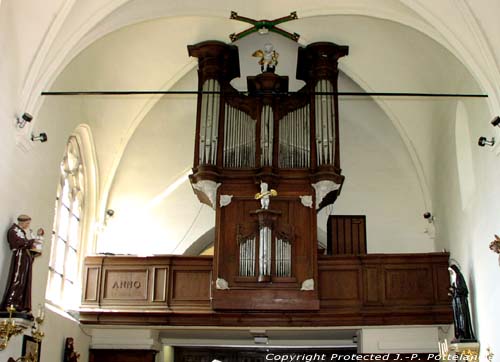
225,200
323,188
308,284
221,284
307,201
207,192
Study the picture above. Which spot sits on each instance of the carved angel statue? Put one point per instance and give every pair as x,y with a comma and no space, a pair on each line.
268,58
264,195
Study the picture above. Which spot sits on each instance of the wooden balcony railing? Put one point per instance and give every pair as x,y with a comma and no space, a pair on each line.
376,289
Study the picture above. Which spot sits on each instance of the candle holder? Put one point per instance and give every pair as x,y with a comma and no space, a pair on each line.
36,336
9,328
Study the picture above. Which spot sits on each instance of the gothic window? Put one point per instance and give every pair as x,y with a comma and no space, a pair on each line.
63,289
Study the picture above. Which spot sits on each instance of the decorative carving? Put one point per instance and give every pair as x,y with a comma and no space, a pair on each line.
268,58
307,201
264,26
209,189
308,284
221,284
225,200
323,188
264,195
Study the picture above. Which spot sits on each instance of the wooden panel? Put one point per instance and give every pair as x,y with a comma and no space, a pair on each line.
346,235
376,289
92,284
240,215
441,283
189,285
372,285
125,284
340,285
160,284
408,285
121,355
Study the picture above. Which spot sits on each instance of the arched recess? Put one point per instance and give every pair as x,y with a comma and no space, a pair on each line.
75,207
88,33
83,134
463,147
203,243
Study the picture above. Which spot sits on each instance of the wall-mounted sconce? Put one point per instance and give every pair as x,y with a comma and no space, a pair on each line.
496,122
9,328
25,118
483,141
42,137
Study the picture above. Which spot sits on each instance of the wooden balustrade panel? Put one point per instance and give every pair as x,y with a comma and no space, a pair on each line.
153,283
376,289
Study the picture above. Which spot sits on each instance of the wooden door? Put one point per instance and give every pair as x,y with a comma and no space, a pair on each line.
346,235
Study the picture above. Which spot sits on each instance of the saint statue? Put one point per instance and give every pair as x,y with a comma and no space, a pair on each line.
461,312
69,351
268,58
25,247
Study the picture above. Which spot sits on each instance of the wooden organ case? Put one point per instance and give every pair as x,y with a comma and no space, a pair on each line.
282,147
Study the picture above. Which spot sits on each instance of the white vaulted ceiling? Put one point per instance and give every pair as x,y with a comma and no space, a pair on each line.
122,45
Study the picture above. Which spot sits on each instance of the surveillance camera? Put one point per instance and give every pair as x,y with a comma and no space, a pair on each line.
483,141
25,118
427,215
496,121
28,117
42,137
110,212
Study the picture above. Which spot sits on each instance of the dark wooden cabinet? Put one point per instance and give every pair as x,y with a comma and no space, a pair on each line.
346,235
121,355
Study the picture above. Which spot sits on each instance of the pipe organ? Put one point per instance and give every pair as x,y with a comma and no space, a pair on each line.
284,144
267,160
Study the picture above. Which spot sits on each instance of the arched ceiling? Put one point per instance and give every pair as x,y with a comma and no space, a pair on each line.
384,56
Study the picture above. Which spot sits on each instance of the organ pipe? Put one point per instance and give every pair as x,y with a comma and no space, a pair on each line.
209,123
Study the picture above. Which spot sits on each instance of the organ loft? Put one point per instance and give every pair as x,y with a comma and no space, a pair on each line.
265,255
267,160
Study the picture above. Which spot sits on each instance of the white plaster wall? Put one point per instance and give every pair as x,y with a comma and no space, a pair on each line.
146,220
398,339
381,181
28,179
467,232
